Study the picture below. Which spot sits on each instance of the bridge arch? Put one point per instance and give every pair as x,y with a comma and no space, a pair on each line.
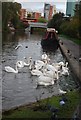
36,25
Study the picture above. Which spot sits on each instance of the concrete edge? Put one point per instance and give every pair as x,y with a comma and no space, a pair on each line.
72,62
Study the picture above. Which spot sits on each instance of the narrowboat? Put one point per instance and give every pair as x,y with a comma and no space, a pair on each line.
50,39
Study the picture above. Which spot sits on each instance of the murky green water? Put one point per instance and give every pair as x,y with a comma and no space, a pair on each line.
19,89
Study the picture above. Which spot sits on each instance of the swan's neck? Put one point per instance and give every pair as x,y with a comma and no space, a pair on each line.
52,82
29,61
66,64
16,68
30,65
44,71
57,75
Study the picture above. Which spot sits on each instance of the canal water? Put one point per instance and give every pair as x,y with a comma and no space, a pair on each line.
19,89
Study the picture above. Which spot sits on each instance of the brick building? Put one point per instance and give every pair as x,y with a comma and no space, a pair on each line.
49,10
23,14
36,15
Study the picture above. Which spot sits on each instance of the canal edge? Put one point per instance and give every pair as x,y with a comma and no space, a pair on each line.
72,62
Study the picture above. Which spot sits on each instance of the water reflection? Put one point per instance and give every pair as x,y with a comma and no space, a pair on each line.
20,88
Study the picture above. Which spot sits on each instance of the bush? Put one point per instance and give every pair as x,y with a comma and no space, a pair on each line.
42,20
70,28
56,21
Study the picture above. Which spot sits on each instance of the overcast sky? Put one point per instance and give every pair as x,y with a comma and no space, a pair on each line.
37,5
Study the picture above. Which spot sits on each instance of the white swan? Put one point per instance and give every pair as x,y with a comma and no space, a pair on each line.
11,70
52,74
66,64
50,67
23,63
18,46
57,66
65,71
36,72
61,63
38,64
61,91
42,79
44,56
20,64
36,68
45,83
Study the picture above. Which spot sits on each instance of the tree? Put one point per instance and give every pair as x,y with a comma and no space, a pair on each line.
56,21
5,15
77,15
10,13
29,16
42,20
80,18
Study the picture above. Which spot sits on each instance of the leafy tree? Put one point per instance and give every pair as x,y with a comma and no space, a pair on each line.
10,13
29,16
5,14
73,27
80,18
56,21
42,20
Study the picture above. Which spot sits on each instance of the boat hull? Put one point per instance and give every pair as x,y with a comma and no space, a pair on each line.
50,44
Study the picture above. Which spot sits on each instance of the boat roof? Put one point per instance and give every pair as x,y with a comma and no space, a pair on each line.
52,30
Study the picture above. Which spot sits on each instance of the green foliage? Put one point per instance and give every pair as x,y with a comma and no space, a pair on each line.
73,27
70,28
75,40
42,20
80,18
56,21
10,13
29,16
5,15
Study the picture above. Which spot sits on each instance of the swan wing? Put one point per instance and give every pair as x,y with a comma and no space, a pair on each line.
43,83
39,62
50,67
45,79
9,69
37,66
26,64
36,72
44,56
49,74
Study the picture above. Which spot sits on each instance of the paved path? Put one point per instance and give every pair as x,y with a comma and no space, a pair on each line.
73,47
73,58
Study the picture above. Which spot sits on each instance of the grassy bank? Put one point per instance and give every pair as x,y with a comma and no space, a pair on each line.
40,108
75,40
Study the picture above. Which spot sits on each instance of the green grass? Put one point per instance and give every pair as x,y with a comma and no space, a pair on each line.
39,109
75,40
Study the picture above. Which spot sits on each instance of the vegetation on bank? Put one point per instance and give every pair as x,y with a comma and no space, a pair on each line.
10,16
70,26
40,108
42,20
75,40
